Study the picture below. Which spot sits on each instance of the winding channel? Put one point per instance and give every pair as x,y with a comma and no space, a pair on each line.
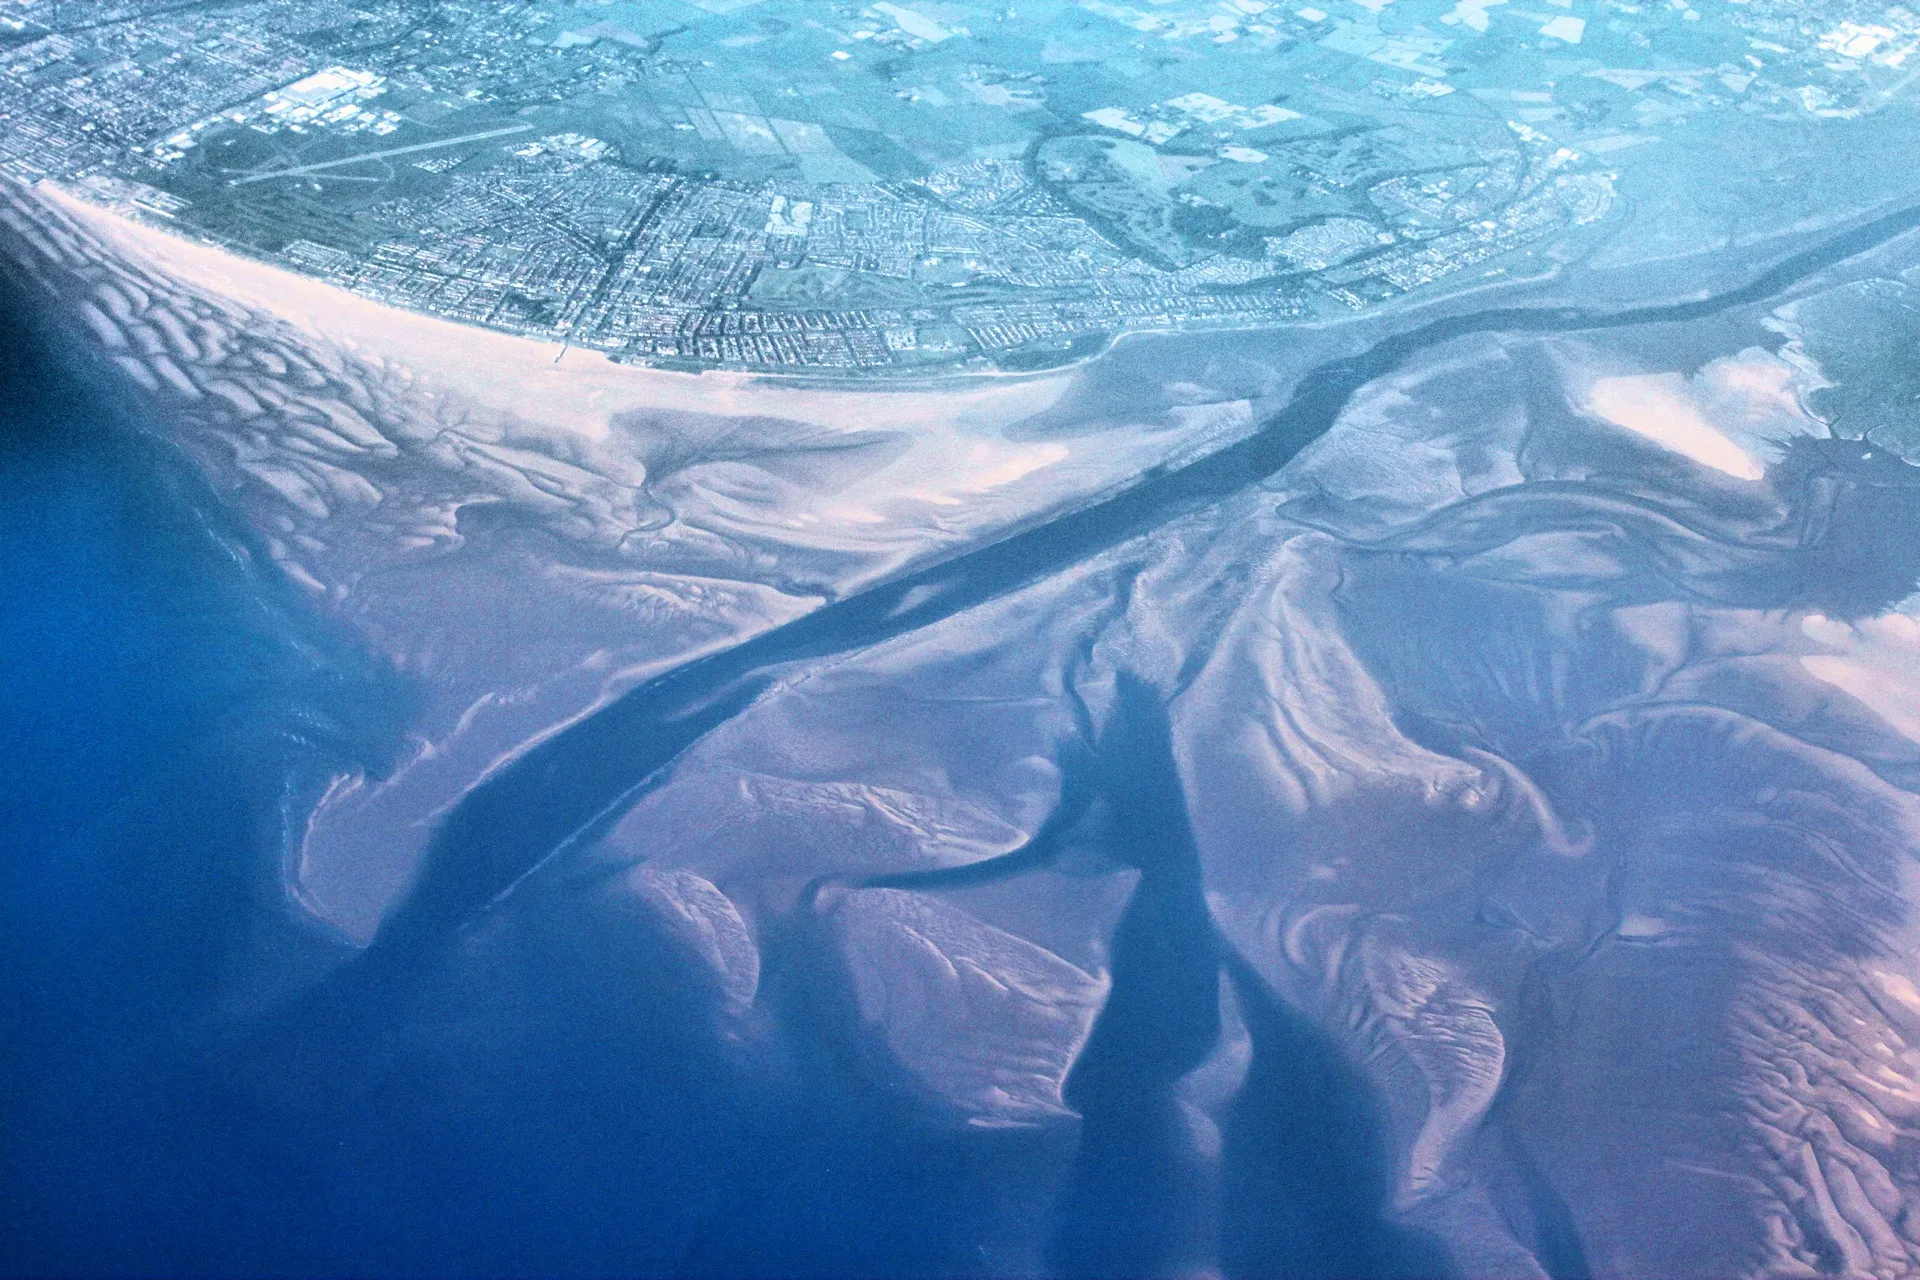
584,777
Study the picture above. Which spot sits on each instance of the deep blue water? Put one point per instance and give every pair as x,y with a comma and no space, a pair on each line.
161,692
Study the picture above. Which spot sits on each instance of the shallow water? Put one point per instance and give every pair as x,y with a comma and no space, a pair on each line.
562,1060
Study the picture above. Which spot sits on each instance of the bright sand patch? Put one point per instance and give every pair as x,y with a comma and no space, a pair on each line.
1878,664
1662,408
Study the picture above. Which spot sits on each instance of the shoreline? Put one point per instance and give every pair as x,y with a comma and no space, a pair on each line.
588,388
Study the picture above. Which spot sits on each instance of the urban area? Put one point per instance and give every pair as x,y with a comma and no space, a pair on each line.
856,190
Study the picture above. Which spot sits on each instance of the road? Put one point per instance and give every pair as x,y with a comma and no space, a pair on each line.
364,156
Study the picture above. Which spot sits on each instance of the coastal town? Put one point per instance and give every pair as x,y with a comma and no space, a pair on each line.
869,190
